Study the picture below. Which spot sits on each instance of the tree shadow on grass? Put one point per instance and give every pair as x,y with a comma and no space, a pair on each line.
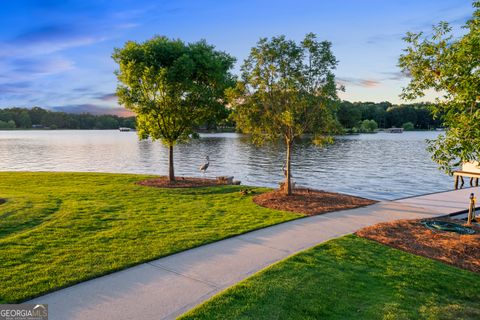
209,190
217,190
206,190
14,221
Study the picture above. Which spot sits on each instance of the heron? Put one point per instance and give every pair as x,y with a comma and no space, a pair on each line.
204,167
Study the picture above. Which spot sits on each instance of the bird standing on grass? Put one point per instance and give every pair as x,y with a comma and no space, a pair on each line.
204,167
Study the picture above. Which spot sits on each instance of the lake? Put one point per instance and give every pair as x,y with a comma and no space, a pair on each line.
377,166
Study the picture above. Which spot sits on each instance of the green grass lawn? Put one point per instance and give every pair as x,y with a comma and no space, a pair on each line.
57,229
350,278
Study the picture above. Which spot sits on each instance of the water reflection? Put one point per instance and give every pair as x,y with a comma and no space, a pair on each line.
378,166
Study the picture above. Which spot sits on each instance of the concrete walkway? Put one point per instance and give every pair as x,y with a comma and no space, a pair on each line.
170,286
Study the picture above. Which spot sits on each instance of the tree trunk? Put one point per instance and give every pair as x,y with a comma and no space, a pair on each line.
171,172
288,177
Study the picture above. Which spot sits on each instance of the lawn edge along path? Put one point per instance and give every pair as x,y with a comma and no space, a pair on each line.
331,280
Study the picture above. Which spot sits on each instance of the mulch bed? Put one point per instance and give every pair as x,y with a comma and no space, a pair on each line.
310,202
180,182
462,251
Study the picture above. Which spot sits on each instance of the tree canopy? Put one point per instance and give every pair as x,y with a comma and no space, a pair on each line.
286,90
450,66
172,87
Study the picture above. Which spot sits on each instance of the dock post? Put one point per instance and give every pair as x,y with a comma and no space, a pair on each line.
471,209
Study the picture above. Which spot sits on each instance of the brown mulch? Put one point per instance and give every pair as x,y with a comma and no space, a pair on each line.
310,202
181,182
462,251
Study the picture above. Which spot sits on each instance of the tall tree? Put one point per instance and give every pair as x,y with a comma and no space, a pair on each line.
286,90
172,87
348,114
451,66
24,120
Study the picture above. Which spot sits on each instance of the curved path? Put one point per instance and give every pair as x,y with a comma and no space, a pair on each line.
168,287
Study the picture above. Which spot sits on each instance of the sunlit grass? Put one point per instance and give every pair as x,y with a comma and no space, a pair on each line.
350,278
57,229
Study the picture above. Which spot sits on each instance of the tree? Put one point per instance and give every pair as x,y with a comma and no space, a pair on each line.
23,120
172,87
368,126
450,66
348,114
106,122
424,118
286,90
7,124
36,114
398,115
408,126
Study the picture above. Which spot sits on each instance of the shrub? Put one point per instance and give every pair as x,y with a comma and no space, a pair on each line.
368,126
408,126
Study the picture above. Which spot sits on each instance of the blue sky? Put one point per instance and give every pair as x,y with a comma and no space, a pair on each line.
57,54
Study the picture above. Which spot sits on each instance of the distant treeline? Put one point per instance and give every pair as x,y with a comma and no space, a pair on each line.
36,117
356,116
386,115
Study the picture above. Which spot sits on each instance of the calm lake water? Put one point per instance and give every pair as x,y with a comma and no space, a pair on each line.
376,166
